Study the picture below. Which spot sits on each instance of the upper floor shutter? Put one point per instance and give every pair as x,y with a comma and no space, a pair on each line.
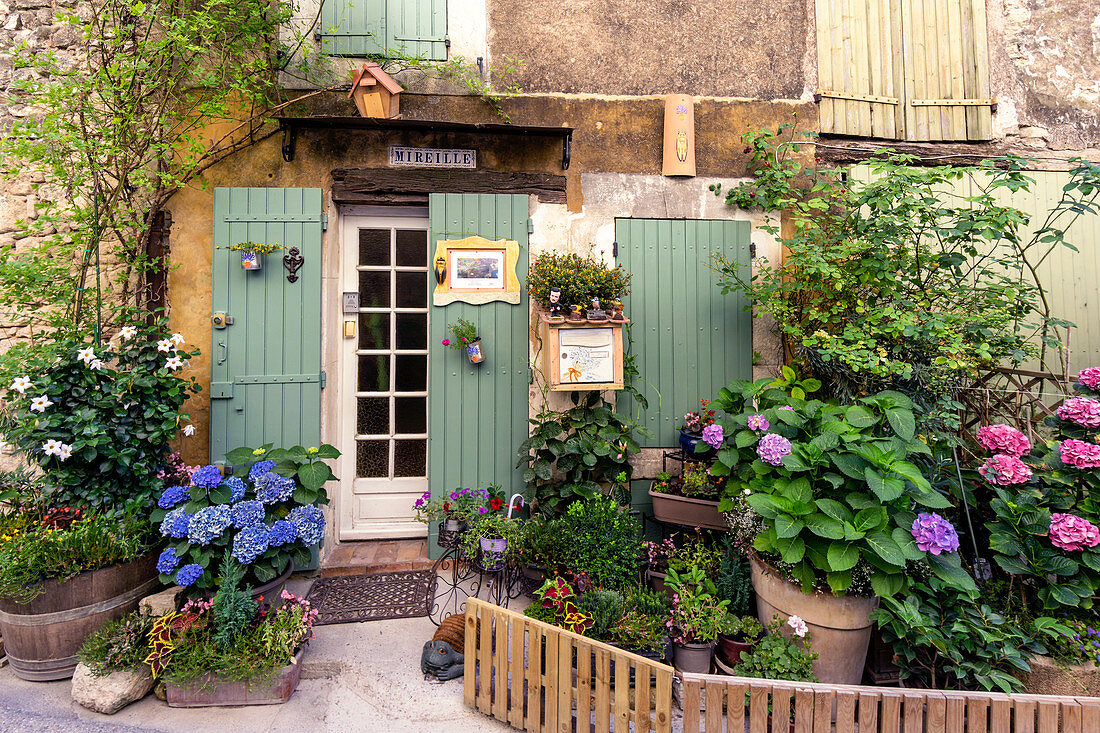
379,27
904,69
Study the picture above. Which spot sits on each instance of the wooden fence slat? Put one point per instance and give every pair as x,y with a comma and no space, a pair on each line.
712,718
977,715
1090,715
1023,713
622,696
914,712
956,713
845,712
890,713
550,680
515,667
936,715
781,707
758,709
1048,717
823,711
691,707
804,710
564,683
1071,718
603,691
868,711
1000,716
484,655
642,700
534,679
500,667
735,707
584,686
663,693
469,650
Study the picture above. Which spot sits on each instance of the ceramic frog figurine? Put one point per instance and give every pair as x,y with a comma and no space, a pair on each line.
439,660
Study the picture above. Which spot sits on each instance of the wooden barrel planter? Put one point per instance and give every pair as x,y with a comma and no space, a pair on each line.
42,636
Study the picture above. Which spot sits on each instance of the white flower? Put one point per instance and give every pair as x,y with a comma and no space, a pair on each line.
165,345
174,363
748,491
98,364
39,404
189,430
127,332
65,451
798,625
176,338
21,384
86,355
52,447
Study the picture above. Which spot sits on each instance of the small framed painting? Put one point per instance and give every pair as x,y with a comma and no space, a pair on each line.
476,270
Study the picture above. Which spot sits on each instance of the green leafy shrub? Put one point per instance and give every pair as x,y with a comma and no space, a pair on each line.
734,581
580,278
599,539
778,657
697,612
605,607
120,645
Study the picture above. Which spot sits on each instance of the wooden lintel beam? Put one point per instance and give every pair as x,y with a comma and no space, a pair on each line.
367,185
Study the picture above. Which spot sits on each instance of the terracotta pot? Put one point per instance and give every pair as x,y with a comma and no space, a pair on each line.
692,657
731,650
672,509
211,691
840,626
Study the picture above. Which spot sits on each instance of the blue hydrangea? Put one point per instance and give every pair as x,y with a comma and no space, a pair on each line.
250,543
188,574
310,523
167,561
247,513
173,495
208,524
236,488
175,523
272,488
259,469
282,533
208,477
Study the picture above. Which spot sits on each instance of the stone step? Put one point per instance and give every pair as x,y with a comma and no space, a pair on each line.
376,556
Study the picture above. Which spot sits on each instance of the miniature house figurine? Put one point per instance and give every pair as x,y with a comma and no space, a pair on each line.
375,92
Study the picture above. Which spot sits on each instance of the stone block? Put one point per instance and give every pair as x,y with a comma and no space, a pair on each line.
1048,677
159,604
112,692
13,23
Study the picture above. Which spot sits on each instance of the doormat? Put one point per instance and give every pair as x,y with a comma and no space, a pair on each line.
352,598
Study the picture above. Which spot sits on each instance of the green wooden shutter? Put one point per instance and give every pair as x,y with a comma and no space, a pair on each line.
689,340
366,27
265,368
478,414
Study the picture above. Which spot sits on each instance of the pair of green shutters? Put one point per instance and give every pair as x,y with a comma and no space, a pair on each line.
384,27
266,377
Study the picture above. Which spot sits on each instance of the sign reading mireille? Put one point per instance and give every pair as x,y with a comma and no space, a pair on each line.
432,158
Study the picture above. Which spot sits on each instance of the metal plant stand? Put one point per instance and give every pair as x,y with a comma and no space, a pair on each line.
461,577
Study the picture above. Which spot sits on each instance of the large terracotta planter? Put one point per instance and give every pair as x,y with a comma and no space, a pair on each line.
41,637
672,509
1048,677
212,691
840,626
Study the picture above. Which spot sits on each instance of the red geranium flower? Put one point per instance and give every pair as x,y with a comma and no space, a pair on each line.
495,504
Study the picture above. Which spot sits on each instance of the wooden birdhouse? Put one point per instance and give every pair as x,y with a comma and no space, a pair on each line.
375,92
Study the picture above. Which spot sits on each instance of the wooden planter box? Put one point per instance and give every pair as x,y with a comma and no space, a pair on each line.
672,509
211,691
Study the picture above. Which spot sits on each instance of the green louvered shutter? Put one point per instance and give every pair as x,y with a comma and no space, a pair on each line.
689,340
367,27
265,373
478,414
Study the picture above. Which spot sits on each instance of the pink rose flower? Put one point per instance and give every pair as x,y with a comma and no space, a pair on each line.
1089,377
1003,439
1005,470
1081,410
1073,533
1080,453
446,342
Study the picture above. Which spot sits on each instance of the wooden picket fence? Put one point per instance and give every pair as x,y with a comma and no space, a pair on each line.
538,677
715,703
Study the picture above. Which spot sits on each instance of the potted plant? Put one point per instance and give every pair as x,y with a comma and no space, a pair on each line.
690,500
692,438
231,649
643,627
112,672
252,253
267,516
837,497
736,636
681,555
697,615
577,280
488,538
535,550
784,653
455,508
465,340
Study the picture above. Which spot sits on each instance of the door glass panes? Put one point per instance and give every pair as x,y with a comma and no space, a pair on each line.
392,355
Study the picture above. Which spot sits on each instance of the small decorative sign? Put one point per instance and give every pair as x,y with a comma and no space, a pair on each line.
679,157
432,157
476,270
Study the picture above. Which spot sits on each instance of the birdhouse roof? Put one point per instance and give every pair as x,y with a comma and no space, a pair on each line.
373,71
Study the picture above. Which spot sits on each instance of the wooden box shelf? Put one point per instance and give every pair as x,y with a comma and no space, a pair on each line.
582,355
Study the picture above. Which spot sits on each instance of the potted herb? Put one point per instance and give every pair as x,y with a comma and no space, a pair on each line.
268,516
690,500
466,340
736,636
783,654
680,555
252,253
696,619
488,538
643,627
698,436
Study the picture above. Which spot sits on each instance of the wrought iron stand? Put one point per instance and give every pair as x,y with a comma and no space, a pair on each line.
460,577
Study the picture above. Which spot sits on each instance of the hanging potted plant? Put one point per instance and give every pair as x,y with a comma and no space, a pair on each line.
252,253
490,538
466,340
696,619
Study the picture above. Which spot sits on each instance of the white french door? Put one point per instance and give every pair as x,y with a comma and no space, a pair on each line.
384,383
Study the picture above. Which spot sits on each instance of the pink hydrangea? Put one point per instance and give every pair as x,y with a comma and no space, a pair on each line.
1003,439
772,447
1080,453
1005,470
758,422
1089,377
712,436
1071,532
1081,410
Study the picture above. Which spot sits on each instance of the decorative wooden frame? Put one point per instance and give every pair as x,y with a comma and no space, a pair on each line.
552,362
446,289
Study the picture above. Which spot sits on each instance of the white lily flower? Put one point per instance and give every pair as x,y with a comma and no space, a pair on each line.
98,364
176,338
86,355
798,625
189,430
165,345
39,404
127,332
21,384
174,363
52,447
65,451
